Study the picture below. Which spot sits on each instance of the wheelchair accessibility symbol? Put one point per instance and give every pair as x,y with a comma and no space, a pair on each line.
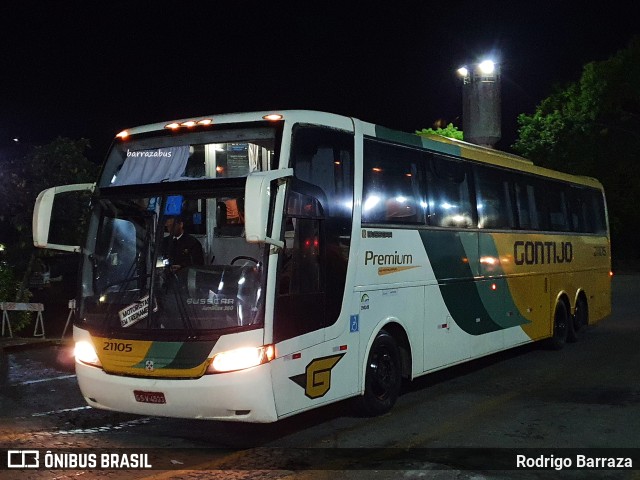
354,323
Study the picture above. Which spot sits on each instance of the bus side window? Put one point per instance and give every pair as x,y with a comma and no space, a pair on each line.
578,214
449,197
594,202
526,207
322,159
301,259
391,185
557,208
300,306
493,199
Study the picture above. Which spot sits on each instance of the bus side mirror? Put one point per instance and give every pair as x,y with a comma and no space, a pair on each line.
258,195
43,211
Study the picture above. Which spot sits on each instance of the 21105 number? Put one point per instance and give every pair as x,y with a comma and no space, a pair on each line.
117,347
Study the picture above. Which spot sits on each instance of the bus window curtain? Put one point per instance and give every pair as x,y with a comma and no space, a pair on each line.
152,166
253,151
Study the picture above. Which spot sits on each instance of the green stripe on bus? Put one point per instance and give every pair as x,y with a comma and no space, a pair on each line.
162,353
191,355
177,355
416,141
499,302
452,265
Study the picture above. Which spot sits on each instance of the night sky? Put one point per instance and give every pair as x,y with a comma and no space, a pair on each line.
90,69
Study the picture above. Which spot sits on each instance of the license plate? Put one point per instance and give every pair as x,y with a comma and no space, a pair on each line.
149,397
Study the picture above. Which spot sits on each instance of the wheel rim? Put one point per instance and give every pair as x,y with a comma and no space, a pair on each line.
561,322
384,373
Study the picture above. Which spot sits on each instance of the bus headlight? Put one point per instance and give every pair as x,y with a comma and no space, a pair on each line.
85,352
241,358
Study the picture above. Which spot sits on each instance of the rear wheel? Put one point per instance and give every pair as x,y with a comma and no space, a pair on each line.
579,319
582,312
383,377
561,320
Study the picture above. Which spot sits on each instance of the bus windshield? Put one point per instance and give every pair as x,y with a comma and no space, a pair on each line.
149,264
170,254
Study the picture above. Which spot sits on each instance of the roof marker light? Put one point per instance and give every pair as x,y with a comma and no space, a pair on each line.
123,134
273,117
206,121
189,124
172,126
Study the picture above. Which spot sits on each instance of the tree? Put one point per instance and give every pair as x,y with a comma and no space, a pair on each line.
590,128
23,177
450,131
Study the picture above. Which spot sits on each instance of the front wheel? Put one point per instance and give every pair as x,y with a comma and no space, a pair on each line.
383,377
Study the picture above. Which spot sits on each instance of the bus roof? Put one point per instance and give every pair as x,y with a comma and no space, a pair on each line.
435,143
479,154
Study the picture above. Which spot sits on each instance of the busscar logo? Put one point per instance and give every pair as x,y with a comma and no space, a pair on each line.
23,459
376,234
316,380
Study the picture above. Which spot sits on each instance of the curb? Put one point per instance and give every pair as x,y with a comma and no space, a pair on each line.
20,344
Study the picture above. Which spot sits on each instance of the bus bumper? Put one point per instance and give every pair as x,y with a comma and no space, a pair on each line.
241,396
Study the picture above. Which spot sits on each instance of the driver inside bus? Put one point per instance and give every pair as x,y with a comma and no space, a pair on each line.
180,248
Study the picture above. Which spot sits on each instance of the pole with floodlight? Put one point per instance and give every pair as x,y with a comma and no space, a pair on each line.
481,117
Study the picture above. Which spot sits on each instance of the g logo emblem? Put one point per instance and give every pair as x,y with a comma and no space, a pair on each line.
316,380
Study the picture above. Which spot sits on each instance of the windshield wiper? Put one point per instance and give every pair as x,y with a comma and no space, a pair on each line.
129,277
173,283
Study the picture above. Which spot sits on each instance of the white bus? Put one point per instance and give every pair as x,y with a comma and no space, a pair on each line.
338,258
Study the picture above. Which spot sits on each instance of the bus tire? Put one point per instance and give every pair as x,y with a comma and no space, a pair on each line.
579,319
561,320
582,311
383,376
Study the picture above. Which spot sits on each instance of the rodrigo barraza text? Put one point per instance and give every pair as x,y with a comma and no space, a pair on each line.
543,462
